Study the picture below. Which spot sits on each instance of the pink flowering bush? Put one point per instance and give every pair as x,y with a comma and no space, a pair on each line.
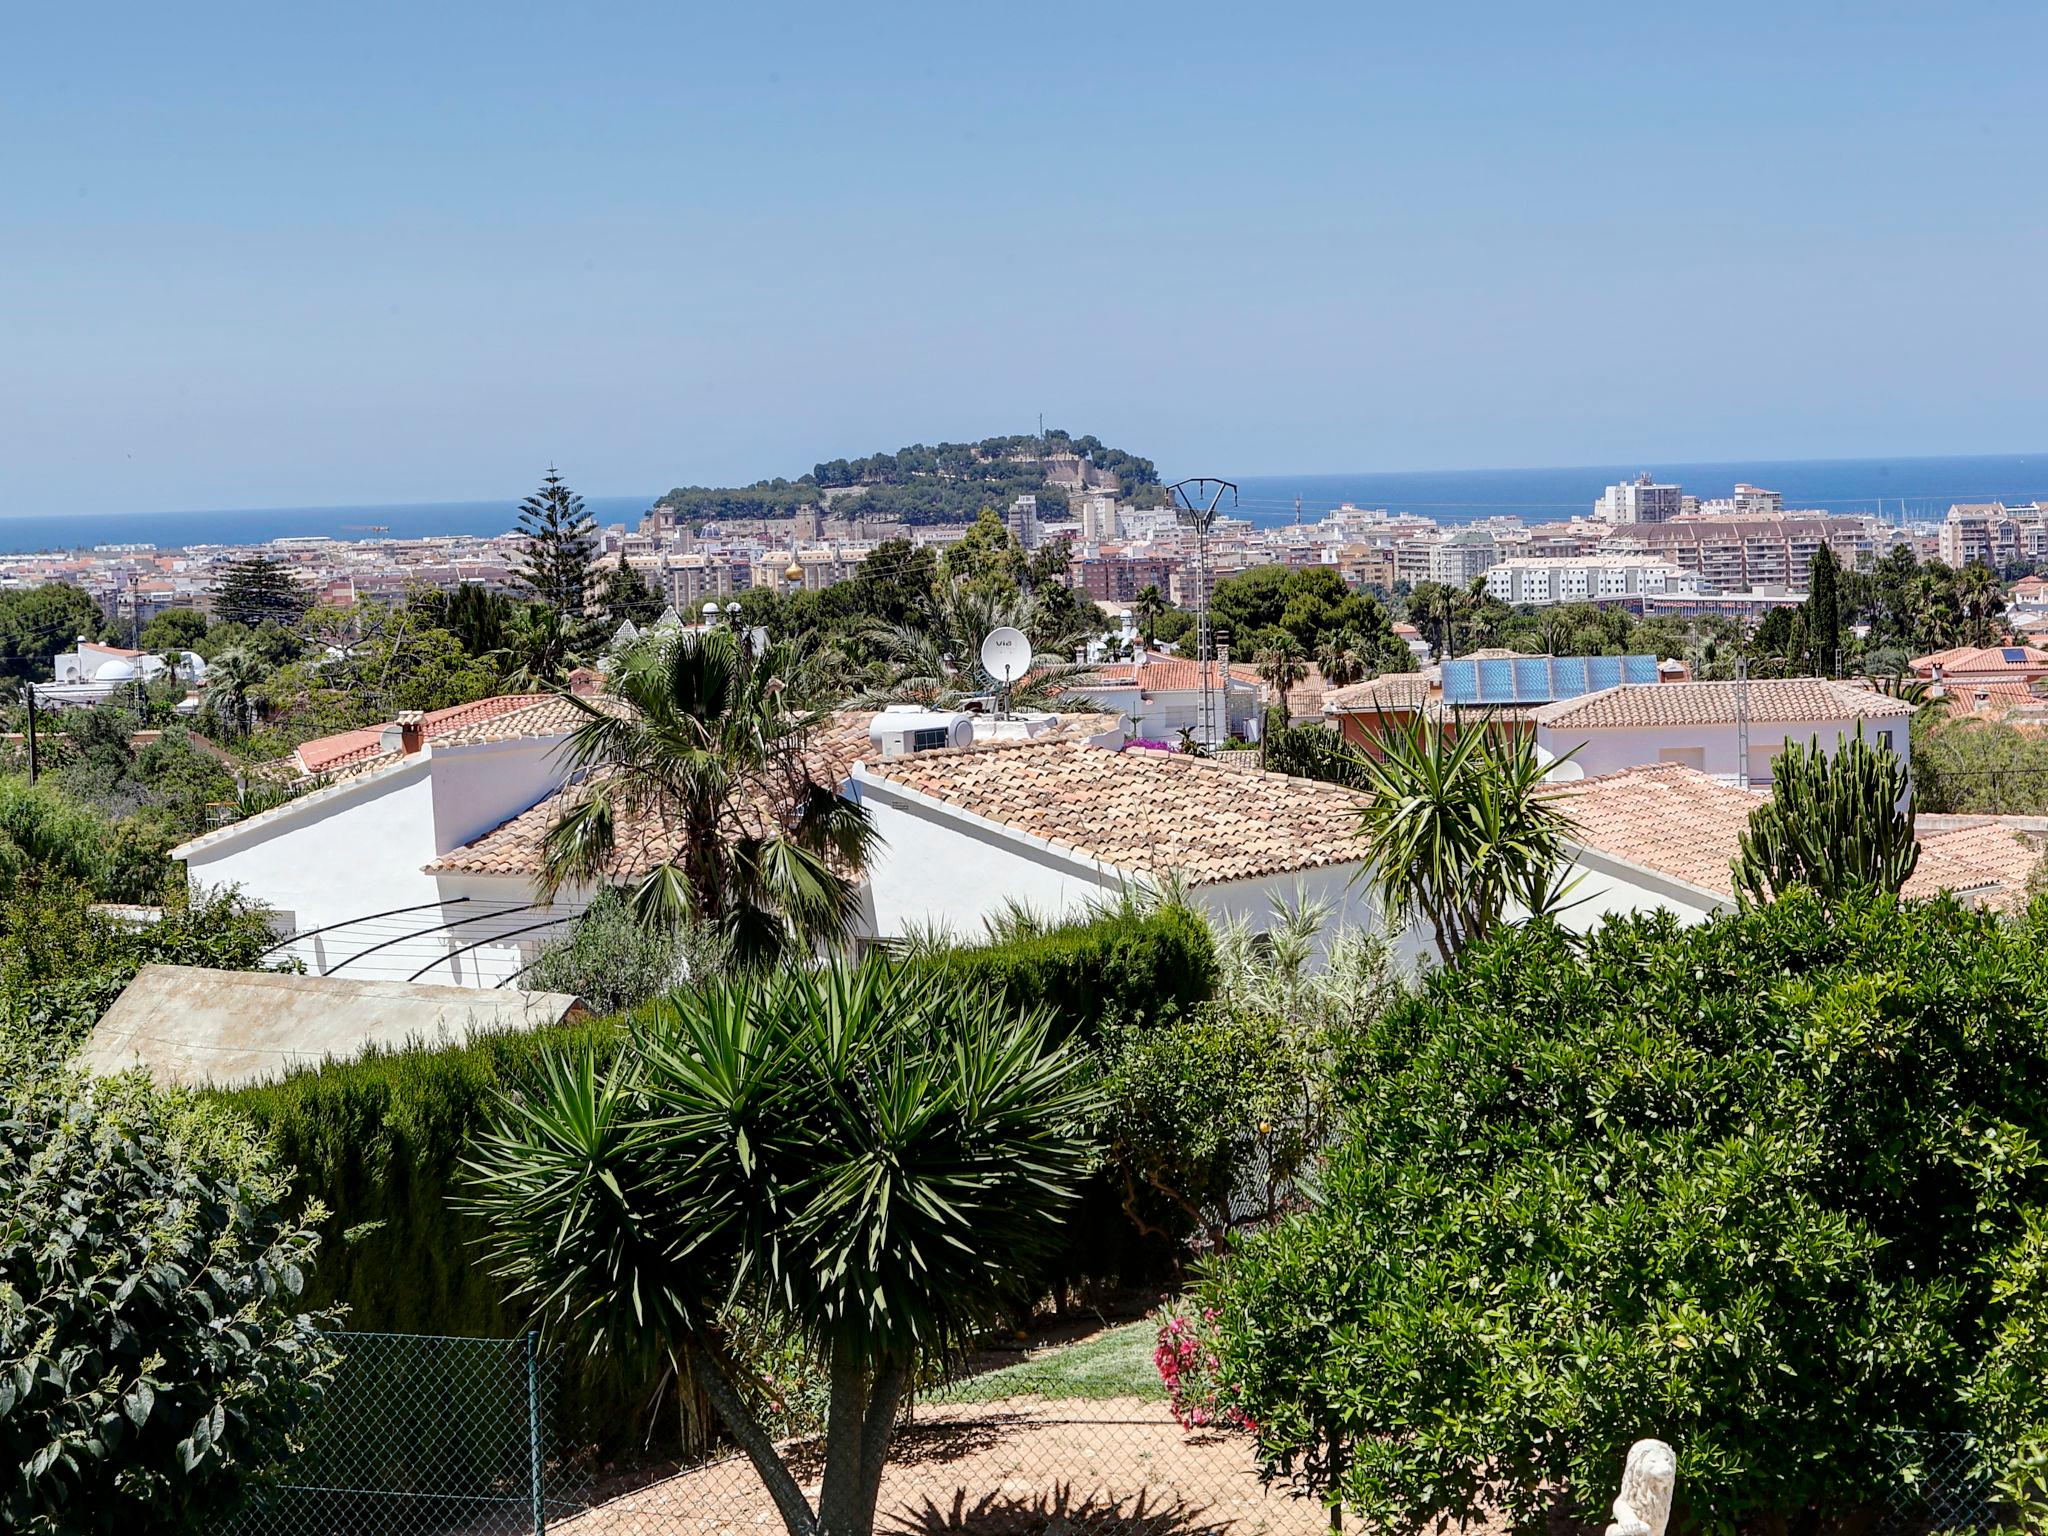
1187,1364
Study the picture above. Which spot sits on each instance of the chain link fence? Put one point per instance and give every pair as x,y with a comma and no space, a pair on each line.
424,1436
1942,1484
419,1435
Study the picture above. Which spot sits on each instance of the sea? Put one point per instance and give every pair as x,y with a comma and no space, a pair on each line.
1901,489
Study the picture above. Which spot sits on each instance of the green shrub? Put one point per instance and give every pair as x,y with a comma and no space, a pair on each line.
1747,1187
380,1140
153,1357
62,964
1124,967
614,962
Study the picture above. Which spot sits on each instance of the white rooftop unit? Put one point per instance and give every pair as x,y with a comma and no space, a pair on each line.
901,729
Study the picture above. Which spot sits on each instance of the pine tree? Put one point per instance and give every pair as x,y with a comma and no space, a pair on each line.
257,591
626,594
1833,824
1824,614
561,547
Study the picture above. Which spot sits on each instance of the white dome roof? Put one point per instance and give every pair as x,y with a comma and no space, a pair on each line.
115,671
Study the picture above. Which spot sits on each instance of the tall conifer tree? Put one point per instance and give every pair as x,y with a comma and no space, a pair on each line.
561,547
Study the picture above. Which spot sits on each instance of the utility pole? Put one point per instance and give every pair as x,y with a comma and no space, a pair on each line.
28,692
1742,721
1195,502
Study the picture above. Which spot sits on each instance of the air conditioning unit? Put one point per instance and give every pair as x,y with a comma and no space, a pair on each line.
903,729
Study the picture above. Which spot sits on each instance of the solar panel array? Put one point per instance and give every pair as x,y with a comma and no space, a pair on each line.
1524,680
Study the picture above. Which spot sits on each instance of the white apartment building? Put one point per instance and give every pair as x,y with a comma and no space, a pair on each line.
688,581
1748,501
1739,554
1641,500
1991,533
1543,581
1463,557
1098,520
1022,521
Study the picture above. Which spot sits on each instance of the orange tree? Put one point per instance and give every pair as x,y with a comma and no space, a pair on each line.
1765,1188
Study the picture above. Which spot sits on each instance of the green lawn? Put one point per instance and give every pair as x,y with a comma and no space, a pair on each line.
1114,1363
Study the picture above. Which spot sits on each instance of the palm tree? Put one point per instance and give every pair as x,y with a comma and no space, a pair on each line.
1280,664
1343,658
939,663
695,764
229,681
1148,608
540,647
1459,829
875,1159
1980,601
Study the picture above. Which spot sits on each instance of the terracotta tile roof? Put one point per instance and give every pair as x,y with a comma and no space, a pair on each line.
2024,660
329,752
458,722
1772,701
1149,812
836,744
1171,674
541,715
1397,691
1686,824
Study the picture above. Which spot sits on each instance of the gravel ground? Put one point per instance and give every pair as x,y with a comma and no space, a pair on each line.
1020,1467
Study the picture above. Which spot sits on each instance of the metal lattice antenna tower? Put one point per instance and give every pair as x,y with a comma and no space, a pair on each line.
1195,503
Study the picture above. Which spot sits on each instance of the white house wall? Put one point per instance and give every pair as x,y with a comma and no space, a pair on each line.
946,872
943,868
355,852
334,862
1712,749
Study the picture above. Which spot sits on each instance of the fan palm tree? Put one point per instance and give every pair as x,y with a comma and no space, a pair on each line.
540,647
939,663
1459,829
1148,608
230,680
1980,601
695,768
877,1160
1343,658
1281,667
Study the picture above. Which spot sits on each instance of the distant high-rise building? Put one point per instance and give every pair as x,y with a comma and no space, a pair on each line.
1022,521
1098,519
1641,500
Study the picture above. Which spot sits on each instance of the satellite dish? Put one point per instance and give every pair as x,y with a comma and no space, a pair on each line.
1006,654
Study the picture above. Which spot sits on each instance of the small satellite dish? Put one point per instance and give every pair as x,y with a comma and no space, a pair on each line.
1006,654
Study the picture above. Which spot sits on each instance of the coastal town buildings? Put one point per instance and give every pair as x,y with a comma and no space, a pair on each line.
1641,500
1544,580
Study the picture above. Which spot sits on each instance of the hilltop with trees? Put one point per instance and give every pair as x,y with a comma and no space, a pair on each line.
940,483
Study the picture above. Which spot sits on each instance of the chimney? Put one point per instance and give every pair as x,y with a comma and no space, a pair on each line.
586,682
412,732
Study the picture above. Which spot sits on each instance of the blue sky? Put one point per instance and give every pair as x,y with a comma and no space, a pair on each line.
278,255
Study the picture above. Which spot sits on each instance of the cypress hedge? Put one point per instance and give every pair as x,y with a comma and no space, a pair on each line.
380,1139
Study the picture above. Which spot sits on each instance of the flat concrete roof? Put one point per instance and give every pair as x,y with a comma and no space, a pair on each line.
186,1024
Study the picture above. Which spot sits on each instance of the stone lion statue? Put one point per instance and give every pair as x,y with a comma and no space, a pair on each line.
1644,1503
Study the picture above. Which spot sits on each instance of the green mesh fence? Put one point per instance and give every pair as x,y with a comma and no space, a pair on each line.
426,1436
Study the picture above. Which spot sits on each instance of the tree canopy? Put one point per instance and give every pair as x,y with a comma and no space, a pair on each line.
1764,1188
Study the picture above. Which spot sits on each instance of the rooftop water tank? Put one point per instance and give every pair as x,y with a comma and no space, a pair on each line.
902,729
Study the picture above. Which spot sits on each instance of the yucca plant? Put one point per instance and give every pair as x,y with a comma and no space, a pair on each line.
876,1159
1460,829
1838,824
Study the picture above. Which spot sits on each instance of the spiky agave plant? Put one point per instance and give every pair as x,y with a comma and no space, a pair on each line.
871,1156
1837,823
